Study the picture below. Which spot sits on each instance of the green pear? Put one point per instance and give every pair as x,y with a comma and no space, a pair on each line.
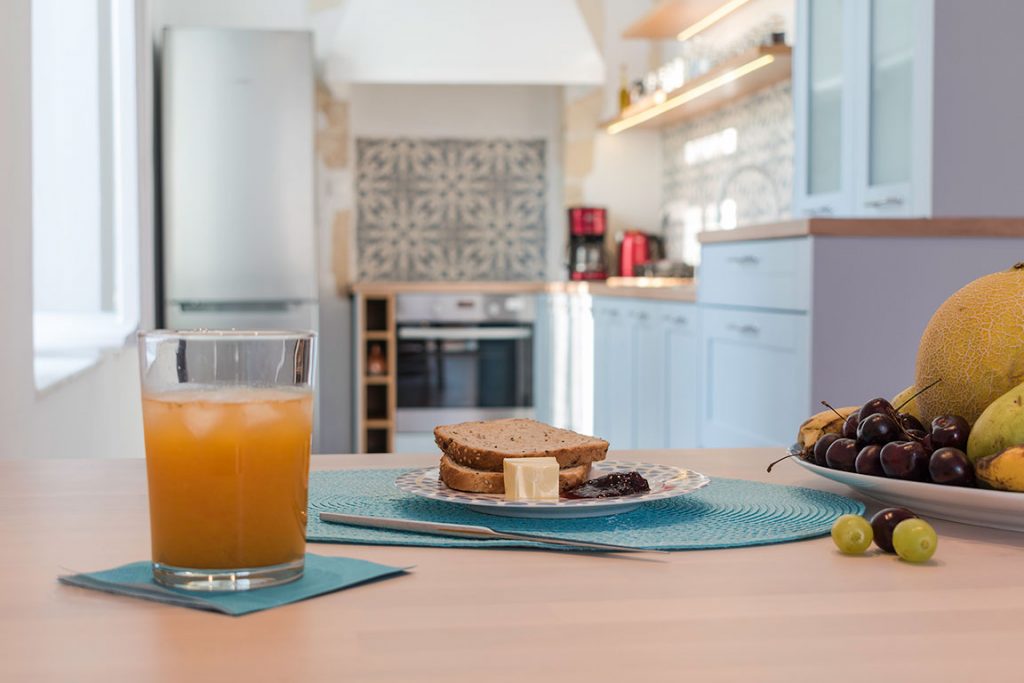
999,426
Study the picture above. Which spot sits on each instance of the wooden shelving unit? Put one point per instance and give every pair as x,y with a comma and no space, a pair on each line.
667,19
732,80
375,394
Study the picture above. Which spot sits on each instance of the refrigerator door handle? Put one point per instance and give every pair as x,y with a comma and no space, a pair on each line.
238,306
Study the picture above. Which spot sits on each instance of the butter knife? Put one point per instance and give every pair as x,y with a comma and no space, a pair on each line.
471,531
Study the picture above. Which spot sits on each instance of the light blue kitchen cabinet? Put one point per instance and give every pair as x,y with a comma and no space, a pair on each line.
754,391
650,385
682,363
787,323
822,107
899,109
614,410
543,359
645,373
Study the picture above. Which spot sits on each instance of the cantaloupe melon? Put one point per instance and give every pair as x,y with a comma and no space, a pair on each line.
975,344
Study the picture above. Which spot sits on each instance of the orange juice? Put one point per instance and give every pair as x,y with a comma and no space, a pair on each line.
228,476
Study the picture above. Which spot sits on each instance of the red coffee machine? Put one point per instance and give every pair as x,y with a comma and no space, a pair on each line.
586,243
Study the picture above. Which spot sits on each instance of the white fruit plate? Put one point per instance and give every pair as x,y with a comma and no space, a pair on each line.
665,482
980,507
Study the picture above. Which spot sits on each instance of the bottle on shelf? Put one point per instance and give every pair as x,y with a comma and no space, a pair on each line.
376,362
625,99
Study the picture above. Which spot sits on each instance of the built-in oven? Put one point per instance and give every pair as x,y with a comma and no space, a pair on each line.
462,357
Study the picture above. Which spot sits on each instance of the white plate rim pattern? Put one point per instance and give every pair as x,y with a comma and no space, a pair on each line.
967,505
671,482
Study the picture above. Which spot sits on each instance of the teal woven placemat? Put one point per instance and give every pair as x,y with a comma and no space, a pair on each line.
728,513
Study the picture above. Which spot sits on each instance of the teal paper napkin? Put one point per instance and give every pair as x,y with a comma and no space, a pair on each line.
322,575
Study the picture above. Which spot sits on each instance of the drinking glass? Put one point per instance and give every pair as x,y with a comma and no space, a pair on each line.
228,420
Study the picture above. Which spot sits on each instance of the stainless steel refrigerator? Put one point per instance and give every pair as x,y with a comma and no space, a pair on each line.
237,150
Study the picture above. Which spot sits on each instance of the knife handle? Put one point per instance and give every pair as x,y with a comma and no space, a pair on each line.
467,530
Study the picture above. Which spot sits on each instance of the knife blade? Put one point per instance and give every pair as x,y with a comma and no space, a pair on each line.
473,531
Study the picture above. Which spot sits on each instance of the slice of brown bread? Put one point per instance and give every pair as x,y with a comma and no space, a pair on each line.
463,478
485,445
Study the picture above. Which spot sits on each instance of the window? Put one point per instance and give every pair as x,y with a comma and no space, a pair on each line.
84,182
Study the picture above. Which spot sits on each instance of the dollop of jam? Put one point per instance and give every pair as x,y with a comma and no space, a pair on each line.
610,486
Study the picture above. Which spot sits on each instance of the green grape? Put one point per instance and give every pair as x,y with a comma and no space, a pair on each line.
914,540
852,534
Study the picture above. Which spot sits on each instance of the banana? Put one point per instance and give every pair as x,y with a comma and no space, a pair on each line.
814,427
1003,471
909,404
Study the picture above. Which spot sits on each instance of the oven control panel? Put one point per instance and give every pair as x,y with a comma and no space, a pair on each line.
464,308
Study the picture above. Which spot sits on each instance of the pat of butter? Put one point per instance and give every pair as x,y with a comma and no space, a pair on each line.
531,479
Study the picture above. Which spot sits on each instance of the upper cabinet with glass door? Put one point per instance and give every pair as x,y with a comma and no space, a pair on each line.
821,92
890,100
907,108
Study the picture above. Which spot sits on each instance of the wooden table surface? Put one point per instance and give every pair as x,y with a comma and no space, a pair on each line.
796,611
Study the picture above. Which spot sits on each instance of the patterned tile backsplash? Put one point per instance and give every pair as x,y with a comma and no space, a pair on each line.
730,168
450,209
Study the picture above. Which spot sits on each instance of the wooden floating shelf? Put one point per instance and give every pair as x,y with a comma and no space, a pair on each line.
378,379
671,17
377,335
378,424
728,82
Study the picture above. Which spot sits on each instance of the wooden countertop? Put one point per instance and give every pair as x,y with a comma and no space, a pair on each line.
663,289
871,227
657,289
794,611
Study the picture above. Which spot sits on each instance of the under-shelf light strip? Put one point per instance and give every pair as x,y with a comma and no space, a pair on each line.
689,95
724,10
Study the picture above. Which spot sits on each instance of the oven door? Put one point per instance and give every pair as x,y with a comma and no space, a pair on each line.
457,372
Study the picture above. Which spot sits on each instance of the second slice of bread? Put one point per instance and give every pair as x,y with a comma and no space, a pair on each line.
462,478
485,445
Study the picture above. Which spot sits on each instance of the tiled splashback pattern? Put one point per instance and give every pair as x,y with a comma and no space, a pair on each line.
447,209
750,179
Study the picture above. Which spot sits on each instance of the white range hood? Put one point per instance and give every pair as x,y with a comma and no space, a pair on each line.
536,42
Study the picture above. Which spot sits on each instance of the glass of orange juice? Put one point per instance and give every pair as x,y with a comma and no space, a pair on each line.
228,420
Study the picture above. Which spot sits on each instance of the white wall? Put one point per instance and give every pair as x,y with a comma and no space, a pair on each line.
96,413
473,111
16,228
625,176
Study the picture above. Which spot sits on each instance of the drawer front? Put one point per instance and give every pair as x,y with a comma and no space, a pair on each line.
761,274
755,377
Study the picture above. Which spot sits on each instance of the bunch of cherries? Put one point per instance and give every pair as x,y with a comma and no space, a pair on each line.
879,440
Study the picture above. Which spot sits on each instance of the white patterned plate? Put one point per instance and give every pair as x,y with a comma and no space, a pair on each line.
665,481
980,507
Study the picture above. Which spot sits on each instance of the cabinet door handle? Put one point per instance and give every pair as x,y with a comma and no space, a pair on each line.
748,330
639,315
748,260
819,211
676,319
882,203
